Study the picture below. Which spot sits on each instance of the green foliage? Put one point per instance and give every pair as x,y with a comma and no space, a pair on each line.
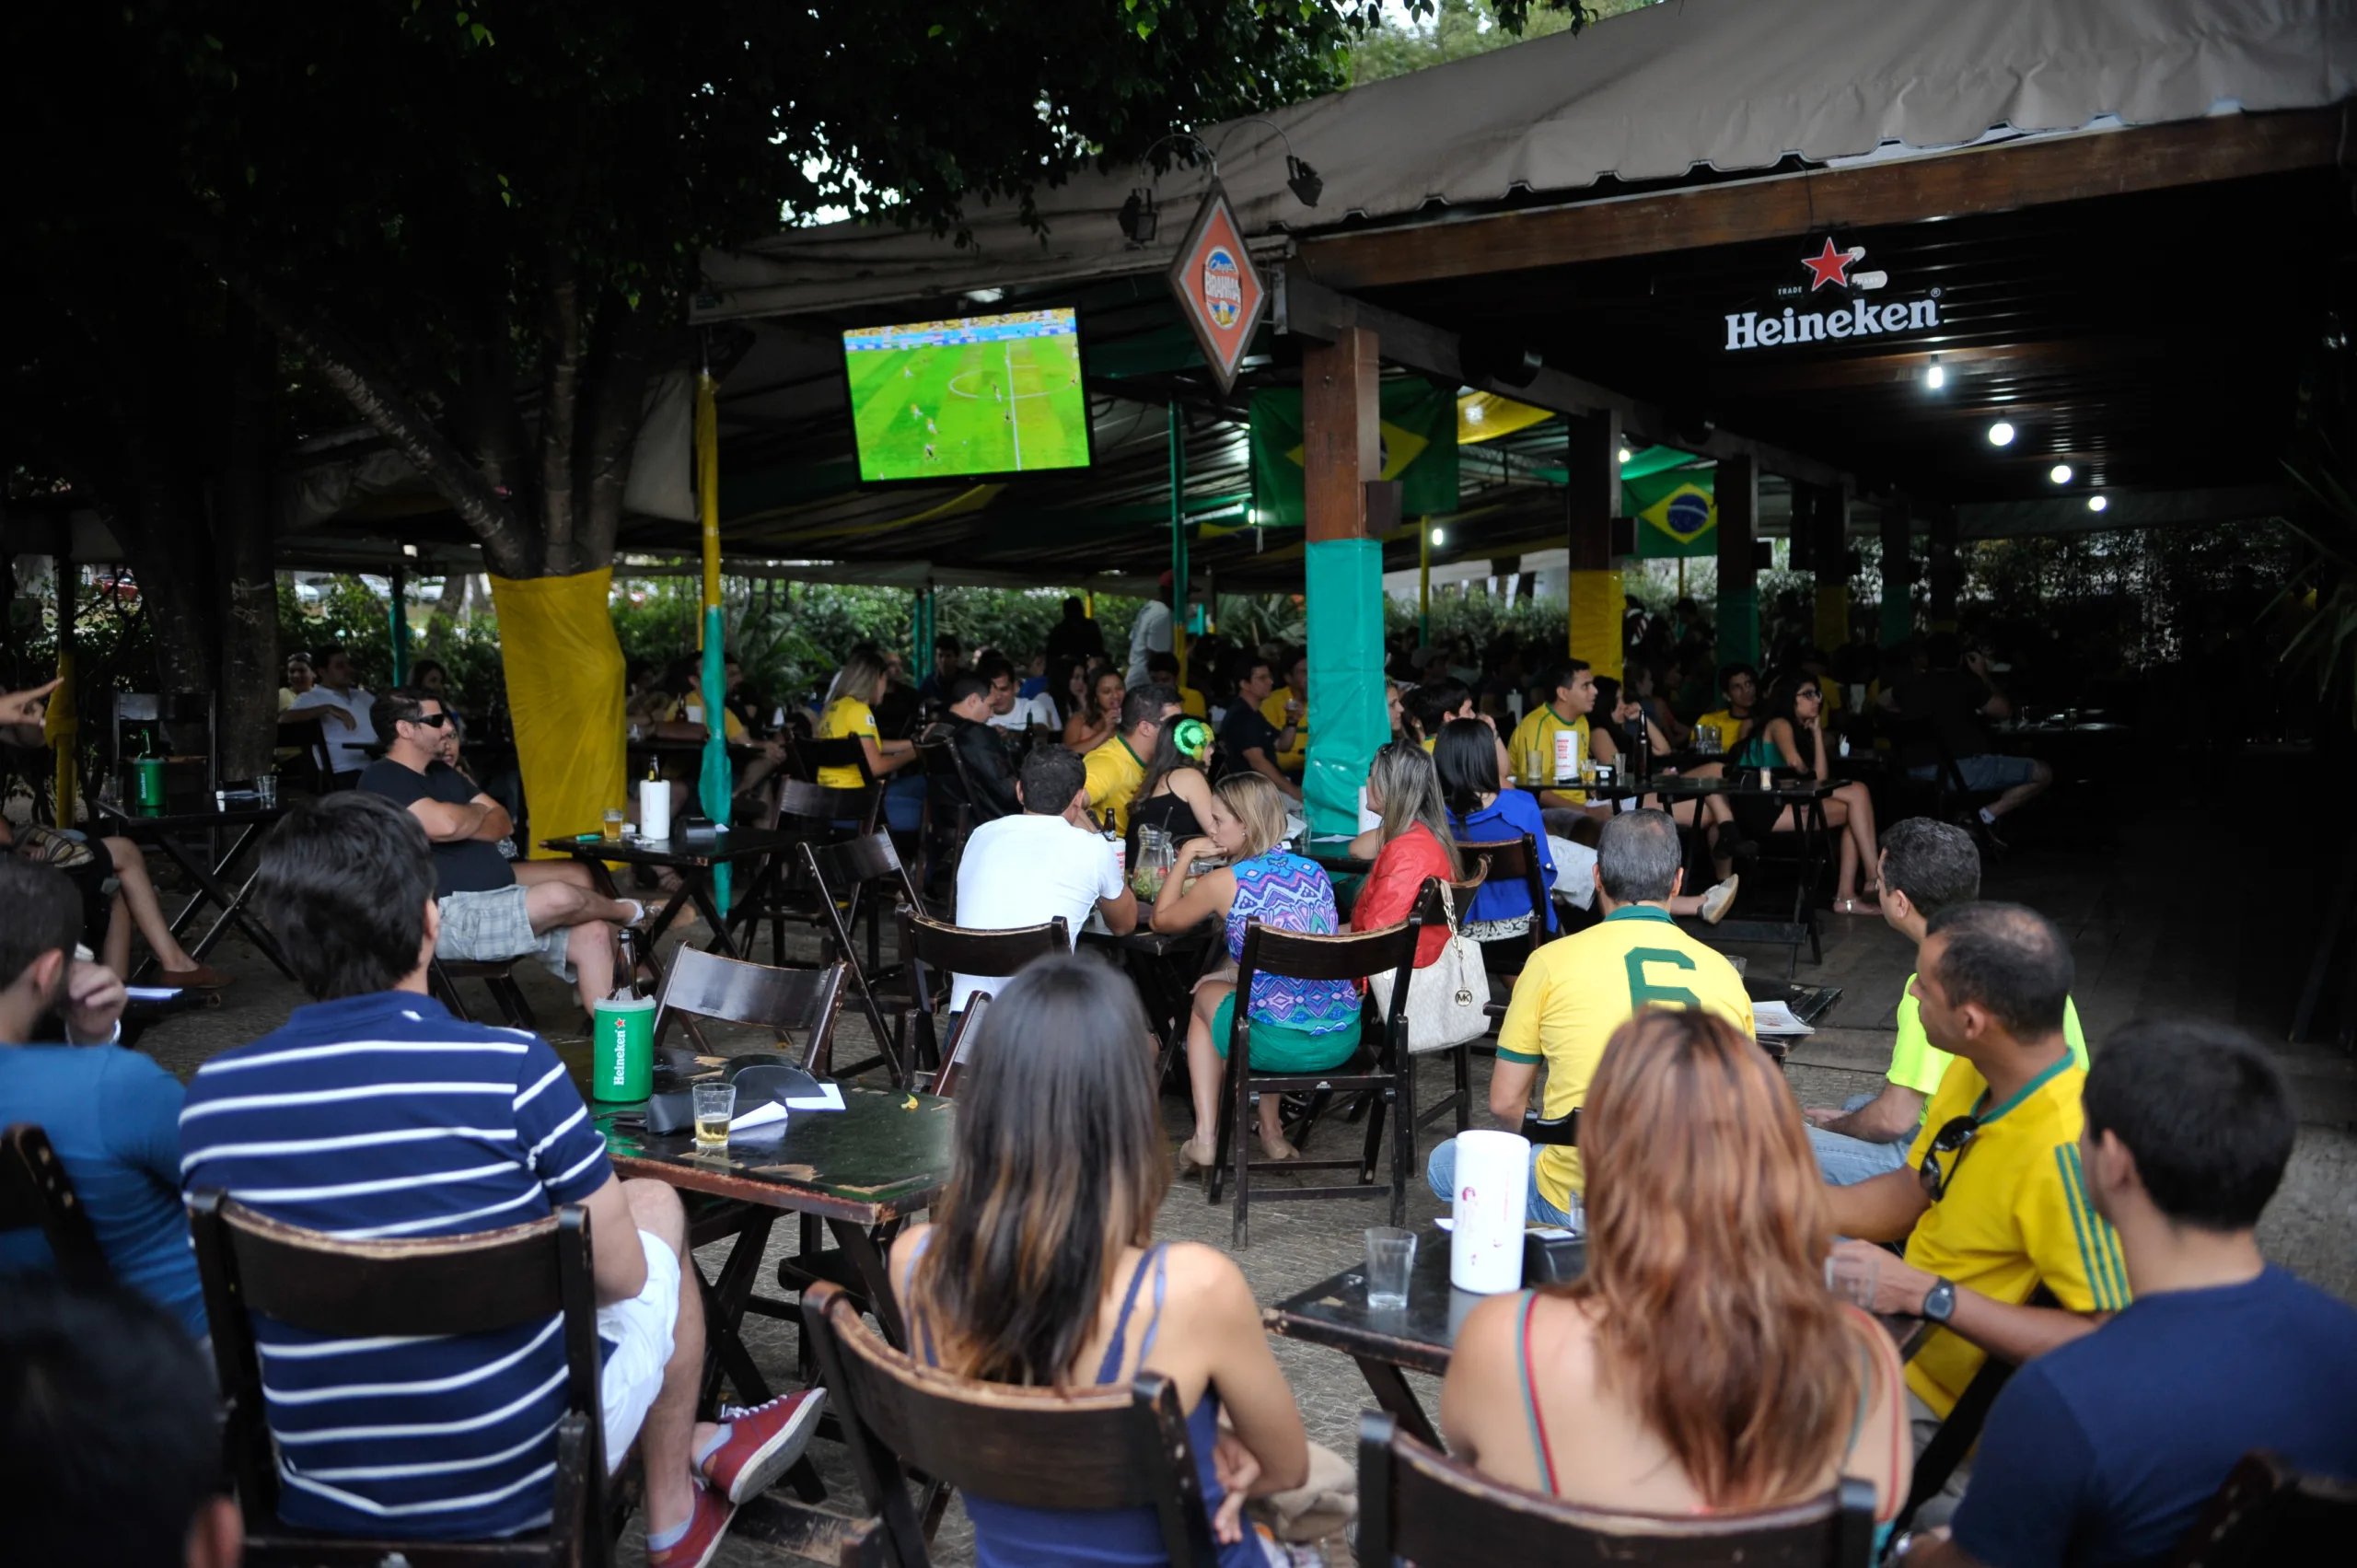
2319,603
1461,28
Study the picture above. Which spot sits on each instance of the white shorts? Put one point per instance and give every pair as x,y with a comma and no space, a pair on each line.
640,1331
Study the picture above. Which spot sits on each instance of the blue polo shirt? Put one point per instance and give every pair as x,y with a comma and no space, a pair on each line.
383,1116
114,1118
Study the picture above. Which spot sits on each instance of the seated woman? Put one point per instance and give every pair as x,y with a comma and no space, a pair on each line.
1481,810
1298,1025
1700,1366
1791,737
1411,845
1040,1268
1091,723
849,714
1176,794
107,918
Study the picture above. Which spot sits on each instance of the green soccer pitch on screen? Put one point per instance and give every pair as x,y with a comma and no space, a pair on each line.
977,395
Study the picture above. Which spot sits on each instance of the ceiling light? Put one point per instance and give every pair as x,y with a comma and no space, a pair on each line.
1935,376
1472,413
1626,454
2000,434
1440,537
2098,502
2059,473
1303,180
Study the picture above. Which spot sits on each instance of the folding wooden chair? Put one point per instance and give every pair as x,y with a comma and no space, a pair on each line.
807,757
1502,860
1419,1506
1084,1450
37,1194
707,987
463,1285
1381,1068
936,951
778,888
2268,1512
845,879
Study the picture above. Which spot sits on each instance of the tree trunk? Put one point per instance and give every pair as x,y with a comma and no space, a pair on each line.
241,527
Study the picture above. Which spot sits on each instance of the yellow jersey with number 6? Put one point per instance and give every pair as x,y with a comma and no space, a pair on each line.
1575,991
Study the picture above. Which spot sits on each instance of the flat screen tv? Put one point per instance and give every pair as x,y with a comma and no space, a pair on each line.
980,395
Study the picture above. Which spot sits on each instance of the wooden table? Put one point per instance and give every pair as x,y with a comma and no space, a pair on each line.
166,830
1420,1336
694,863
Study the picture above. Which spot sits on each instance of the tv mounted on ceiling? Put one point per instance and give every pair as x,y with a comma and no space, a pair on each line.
972,397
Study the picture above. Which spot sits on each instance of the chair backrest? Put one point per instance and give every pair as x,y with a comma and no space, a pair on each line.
1437,1513
2268,1512
461,1285
957,1050
799,1004
846,752
37,1194
850,872
816,808
935,948
1503,859
1114,1446
1355,954
1460,897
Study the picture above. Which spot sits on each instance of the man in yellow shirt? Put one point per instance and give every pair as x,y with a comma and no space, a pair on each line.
1739,684
1575,992
1531,751
1287,708
1162,670
1992,1202
1117,768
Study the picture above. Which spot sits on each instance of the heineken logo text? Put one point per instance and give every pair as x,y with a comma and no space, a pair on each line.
1857,319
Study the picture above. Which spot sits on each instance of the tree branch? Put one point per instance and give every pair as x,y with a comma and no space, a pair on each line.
560,411
626,341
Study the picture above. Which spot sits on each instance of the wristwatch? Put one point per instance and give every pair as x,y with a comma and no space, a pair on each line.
1939,1302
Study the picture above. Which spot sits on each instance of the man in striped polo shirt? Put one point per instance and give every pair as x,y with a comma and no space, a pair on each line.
373,1113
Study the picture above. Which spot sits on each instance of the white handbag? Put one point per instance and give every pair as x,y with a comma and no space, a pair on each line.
1446,997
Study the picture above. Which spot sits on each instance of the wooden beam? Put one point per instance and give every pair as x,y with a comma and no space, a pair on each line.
2005,177
1737,493
1309,310
1342,427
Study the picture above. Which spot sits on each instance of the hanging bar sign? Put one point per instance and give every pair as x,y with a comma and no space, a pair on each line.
1219,290
1853,318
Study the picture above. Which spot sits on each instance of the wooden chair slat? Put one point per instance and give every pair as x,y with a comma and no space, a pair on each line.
798,1004
37,1194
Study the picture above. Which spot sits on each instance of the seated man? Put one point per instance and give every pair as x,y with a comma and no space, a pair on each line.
1116,767
1248,737
489,914
1739,687
1570,690
1287,710
1048,860
984,759
1575,991
346,705
1162,670
110,1434
1951,694
1926,867
1993,1203
373,1113
2107,1450
112,1115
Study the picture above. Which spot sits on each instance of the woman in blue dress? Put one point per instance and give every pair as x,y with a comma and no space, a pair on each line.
1040,1268
1483,810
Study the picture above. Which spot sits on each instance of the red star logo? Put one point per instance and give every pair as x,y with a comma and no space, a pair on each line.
1829,266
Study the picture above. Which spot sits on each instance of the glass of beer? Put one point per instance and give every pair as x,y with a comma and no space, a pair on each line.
612,825
716,1108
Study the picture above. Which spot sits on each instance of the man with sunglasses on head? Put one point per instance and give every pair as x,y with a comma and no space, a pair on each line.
488,914
1992,1202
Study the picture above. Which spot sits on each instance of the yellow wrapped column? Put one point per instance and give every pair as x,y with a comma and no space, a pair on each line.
1592,466
565,697
1597,604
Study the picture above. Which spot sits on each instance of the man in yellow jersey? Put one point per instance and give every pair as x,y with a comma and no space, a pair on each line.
1162,670
1926,867
1993,1203
1287,708
1118,767
1574,992
1739,684
1531,750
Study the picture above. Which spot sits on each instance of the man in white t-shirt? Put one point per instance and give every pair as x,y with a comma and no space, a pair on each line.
1150,632
1048,861
350,731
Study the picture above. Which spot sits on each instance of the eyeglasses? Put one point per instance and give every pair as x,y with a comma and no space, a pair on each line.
432,721
1953,1138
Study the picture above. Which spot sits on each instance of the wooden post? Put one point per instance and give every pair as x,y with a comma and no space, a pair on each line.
1897,575
1829,559
65,702
1178,441
1425,583
1738,490
1341,432
1348,509
1592,501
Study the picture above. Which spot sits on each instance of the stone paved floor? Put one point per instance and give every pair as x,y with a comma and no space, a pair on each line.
2152,934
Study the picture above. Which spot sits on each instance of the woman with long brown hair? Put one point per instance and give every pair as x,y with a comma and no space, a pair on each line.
1040,1268
1701,1365
1093,723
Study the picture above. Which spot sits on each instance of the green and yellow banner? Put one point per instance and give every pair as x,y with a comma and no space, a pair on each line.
1419,427
1675,510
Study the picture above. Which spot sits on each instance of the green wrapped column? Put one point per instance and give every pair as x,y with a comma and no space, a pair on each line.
1349,717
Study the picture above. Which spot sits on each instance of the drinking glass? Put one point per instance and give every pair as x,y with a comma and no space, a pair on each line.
716,1108
1852,1279
1390,1254
612,825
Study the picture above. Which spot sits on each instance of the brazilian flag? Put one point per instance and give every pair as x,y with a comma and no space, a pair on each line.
1675,510
1418,450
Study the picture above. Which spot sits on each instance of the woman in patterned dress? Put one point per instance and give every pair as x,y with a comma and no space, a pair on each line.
1298,1025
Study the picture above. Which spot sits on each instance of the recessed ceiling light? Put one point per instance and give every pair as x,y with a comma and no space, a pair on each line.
1935,376
1626,454
2098,502
2000,434
2059,473
1440,536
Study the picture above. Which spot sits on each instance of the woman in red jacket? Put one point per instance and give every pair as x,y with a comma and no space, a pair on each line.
1404,788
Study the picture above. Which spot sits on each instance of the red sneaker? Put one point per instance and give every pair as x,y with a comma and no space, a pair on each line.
763,1443
700,1542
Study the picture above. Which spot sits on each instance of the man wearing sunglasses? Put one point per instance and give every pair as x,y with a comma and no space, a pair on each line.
1992,1202
488,914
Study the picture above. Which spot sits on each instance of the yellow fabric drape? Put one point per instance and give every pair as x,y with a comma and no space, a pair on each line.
565,695
1597,604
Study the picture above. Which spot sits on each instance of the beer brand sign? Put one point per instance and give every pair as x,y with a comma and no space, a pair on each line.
1219,290
1853,317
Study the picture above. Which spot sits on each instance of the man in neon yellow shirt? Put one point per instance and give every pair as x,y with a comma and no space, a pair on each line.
1287,708
1926,867
1117,768
1574,993
1531,750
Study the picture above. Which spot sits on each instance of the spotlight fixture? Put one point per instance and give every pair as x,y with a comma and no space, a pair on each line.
2098,502
1935,374
2059,473
1440,537
1140,217
2000,434
1626,454
1303,180
1472,413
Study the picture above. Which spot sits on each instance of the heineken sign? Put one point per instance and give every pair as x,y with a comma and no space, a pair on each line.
1856,319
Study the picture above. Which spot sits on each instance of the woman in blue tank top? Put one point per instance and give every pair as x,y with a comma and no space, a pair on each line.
1040,1268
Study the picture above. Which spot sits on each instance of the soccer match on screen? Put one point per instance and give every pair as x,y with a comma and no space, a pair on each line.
983,394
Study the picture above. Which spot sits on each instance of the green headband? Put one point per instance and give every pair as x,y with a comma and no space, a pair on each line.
1192,736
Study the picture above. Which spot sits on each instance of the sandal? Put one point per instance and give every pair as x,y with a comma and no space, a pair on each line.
1279,1150
1854,906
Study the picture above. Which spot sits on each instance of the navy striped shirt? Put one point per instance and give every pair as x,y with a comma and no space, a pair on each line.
383,1116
